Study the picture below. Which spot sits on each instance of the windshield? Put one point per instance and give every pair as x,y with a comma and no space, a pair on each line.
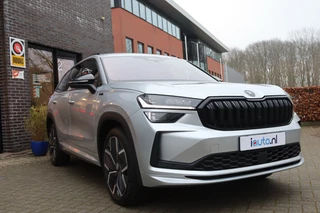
152,68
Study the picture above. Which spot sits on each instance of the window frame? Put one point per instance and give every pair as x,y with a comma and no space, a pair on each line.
140,44
142,7
132,48
147,19
128,8
135,3
154,18
150,48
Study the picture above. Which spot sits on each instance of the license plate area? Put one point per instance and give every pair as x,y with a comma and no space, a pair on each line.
253,142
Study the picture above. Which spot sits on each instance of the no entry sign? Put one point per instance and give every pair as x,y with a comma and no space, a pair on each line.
17,52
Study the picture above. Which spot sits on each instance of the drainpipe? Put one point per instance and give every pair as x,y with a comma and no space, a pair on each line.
198,54
186,46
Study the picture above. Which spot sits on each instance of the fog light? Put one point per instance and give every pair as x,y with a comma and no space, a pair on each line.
163,117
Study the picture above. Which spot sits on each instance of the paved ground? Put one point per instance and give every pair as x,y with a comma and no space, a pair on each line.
29,184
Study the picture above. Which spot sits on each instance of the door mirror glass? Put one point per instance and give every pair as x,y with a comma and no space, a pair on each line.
84,82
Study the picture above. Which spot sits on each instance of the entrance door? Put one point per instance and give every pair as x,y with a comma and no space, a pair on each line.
65,62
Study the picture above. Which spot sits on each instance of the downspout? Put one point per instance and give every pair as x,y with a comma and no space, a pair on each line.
198,55
186,46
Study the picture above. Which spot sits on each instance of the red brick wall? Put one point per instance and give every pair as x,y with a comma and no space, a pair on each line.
215,68
125,24
74,26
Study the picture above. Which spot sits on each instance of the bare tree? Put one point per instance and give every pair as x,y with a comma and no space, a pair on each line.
295,62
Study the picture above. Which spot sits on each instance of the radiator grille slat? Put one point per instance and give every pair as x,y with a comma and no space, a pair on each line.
237,114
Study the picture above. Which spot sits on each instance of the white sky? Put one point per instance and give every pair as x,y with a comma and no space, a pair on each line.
237,23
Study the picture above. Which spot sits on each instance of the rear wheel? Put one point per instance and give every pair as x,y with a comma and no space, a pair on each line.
119,169
57,156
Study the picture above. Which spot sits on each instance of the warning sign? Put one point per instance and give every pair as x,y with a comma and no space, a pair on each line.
17,52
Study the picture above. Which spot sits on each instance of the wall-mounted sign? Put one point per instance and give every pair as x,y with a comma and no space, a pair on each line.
36,91
17,52
17,74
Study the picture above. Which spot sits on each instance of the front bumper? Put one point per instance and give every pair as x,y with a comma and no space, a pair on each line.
169,177
187,141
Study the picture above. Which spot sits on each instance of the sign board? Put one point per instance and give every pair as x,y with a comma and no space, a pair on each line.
17,52
17,74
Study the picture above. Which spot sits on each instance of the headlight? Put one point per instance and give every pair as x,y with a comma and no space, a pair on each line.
167,102
163,117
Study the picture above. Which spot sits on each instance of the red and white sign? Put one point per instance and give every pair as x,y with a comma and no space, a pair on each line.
17,52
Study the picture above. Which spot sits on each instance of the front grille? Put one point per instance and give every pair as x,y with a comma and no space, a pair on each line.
239,159
241,113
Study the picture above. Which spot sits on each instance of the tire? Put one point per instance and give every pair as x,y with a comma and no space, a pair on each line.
119,169
57,156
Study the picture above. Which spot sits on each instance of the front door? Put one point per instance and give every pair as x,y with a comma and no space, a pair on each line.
82,108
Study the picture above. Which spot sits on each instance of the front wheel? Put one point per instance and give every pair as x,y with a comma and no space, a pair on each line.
119,169
57,156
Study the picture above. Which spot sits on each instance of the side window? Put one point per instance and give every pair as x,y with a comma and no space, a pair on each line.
90,67
64,83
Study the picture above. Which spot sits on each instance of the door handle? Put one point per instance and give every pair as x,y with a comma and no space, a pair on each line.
54,102
71,102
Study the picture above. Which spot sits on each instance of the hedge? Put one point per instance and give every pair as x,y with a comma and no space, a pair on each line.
306,102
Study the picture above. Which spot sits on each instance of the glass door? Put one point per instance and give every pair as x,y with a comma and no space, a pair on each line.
64,64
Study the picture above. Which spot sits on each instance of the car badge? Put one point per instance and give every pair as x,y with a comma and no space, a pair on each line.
250,93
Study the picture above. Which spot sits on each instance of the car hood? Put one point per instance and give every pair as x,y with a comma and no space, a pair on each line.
201,90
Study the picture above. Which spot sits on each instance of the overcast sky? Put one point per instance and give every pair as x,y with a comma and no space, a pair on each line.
237,23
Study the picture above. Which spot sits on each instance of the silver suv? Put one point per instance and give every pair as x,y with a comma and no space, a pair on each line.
154,121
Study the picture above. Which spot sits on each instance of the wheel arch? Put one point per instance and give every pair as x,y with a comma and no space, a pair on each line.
108,121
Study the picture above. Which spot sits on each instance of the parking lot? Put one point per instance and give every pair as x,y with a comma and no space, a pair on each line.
29,184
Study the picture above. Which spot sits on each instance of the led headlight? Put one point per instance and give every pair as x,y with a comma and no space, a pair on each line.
167,102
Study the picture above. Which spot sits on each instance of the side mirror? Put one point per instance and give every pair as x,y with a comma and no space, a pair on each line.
84,82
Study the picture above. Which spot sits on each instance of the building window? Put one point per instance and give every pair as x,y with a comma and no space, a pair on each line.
166,54
140,47
128,5
150,50
160,22
178,33
142,11
47,66
174,30
158,52
148,13
165,25
129,45
135,6
169,28
139,9
154,18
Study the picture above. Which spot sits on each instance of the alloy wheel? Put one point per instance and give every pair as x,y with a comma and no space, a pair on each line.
53,143
116,164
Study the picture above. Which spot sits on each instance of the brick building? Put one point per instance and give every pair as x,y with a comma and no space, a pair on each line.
53,35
